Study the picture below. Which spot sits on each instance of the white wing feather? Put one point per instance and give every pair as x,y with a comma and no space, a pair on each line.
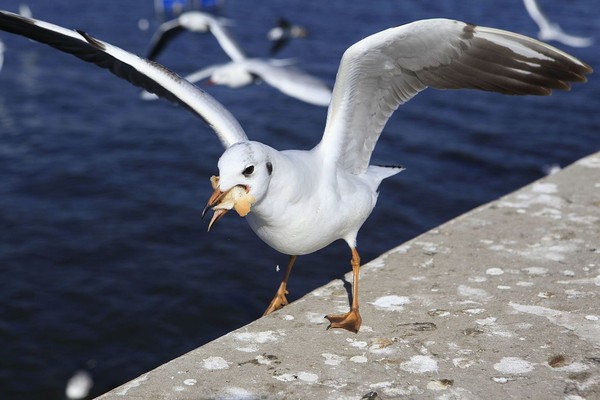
226,41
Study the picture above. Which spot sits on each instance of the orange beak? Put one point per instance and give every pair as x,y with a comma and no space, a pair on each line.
213,201
237,197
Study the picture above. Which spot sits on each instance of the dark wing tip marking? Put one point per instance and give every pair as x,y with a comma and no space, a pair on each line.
491,66
391,166
468,31
94,42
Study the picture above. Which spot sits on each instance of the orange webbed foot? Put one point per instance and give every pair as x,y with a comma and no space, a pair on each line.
350,321
278,302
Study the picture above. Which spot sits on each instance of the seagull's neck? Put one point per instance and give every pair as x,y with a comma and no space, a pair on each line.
295,172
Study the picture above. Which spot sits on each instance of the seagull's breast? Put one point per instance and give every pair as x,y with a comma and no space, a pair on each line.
303,217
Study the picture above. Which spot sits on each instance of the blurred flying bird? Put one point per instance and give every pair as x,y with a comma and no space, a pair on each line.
193,21
283,32
551,31
242,70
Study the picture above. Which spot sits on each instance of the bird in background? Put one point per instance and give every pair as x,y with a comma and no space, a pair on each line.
197,22
282,33
241,70
300,201
552,31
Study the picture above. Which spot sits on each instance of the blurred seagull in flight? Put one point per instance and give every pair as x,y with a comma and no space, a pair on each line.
300,201
242,70
551,31
283,32
279,74
194,21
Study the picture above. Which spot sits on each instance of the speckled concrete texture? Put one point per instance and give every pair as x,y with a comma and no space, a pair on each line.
502,302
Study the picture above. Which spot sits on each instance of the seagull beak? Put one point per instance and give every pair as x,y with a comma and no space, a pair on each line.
221,202
214,200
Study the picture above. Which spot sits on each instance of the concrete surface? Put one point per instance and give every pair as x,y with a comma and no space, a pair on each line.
502,302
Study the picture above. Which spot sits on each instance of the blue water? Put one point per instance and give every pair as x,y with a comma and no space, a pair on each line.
105,263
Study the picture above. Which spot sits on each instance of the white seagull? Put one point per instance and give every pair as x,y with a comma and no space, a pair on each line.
241,70
199,22
279,74
301,201
551,31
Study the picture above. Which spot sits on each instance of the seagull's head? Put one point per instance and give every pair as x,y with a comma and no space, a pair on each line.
245,171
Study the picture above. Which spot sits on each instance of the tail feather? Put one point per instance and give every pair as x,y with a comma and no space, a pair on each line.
377,173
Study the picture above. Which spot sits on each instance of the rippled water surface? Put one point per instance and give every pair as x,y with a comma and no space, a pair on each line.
105,263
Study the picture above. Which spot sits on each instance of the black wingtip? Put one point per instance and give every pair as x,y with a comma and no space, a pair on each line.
392,166
94,42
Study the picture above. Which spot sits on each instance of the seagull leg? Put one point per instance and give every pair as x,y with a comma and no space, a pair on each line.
279,300
351,320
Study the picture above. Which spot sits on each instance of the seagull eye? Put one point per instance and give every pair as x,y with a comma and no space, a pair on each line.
248,171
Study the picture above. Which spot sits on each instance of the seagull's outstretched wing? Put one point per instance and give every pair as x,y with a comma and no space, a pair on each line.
229,45
552,31
194,77
386,69
148,75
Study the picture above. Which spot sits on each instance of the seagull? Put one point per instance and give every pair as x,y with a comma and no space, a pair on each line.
199,22
283,32
551,31
241,70
300,201
280,74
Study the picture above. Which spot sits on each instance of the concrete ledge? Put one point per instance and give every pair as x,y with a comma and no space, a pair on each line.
502,302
